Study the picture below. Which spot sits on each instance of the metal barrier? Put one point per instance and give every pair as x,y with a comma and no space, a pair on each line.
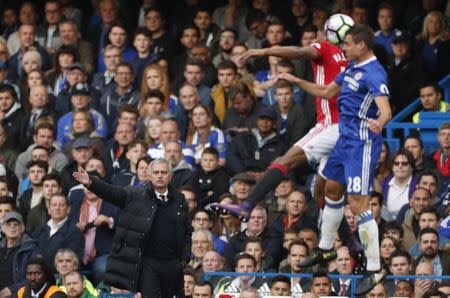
353,278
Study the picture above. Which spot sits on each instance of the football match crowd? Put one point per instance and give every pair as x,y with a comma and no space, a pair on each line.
223,91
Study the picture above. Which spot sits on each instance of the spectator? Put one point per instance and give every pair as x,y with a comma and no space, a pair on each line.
59,232
394,230
227,76
201,52
280,286
11,116
429,180
142,41
155,77
344,267
28,14
243,68
116,149
39,280
441,155
226,225
38,215
57,76
376,205
105,80
163,43
321,284
257,24
135,150
209,31
401,264
228,39
398,188
76,286
7,204
190,196
360,12
11,23
17,248
203,289
189,98
430,254
47,34
300,17
36,169
388,246
202,242
189,36
254,247
242,185
431,100
404,288
203,134
275,201
212,262
385,20
150,108
70,36
414,144
253,150
298,251
181,170
422,285
378,291
189,282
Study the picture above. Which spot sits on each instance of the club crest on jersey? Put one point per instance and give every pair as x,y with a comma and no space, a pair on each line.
358,75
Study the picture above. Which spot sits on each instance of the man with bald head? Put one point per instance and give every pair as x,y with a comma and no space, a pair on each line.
189,98
171,133
26,34
421,285
182,171
344,267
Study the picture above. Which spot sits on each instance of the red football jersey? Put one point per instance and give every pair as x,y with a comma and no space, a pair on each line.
331,62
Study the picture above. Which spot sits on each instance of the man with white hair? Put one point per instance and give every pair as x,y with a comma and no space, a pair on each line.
153,233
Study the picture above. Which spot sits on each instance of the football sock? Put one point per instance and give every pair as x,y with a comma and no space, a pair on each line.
331,219
272,177
368,234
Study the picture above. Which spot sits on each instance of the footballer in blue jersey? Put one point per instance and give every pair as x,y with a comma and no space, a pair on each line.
363,111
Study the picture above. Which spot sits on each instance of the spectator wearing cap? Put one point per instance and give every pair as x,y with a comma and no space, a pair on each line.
403,71
293,119
256,226
123,94
244,110
39,111
431,100
81,99
82,151
16,248
255,149
242,185
11,116
95,218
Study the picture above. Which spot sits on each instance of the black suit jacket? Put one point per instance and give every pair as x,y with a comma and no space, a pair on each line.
26,136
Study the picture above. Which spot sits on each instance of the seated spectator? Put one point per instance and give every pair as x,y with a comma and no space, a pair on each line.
404,288
16,249
189,36
117,35
297,215
385,20
39,279
9,155
11,22
430,218
242,186
203,134
11,117
254,247
212,262
430,253
227,225
152,132
422,285
244,263
38,215
76,286
171,133
298,252
243,67
310,236
433,44
275,201
202,242
398,187
441,155
189,98
388,246
243,113
66,261
105,80
403,71
266,78
36,169
227,40
82,151
209,31
201,52
394,230
181,170
203,289
151,107
280,285
256,226
253,150
7,204
96,220
211,179
116,149
40,110
142,41
203,220
135,150
34,78
125,93
414,144
344,266
155,77
47,32
70,36
189,282
431,100
377,291
401,264
56,77
190,196
142,175
420,199
321,284
59,232
227,75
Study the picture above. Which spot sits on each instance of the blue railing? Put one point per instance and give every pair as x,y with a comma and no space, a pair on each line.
353,278
428,125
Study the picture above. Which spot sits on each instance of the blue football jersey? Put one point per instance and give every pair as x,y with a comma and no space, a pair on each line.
360,84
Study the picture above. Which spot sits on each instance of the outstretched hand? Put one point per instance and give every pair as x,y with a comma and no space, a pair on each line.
288,77
251,53
82,176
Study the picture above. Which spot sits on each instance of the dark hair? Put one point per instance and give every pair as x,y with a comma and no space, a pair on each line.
434,292
362,33
239,88
126,64
116,23
379,197
255,16
243,256
401,253
44,267
320,273
408,156
190,26
309,28
212,151
276,22
413,136
65,49
286,63
142,30
428,173
394,226
39,163
155,93
227,29
431,209
434,85
40,148
188,188
146,158
8,88
298,242
202,210
254,239
227,64
128,108
61,195
202,283
428,231
52,176
280,278
45,125
8,200
195,62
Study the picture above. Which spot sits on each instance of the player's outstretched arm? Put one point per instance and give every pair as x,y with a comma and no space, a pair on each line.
385,114
324,91
288,52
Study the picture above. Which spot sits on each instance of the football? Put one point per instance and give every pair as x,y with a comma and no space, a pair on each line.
336,27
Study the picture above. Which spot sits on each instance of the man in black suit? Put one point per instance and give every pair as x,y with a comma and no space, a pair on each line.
153,233
344,267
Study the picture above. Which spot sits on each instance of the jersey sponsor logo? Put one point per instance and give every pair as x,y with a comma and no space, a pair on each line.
352,83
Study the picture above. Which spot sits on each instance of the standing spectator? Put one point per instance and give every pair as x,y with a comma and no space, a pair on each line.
142,42
433,46
47,34
227,75
385,20
28,14
209,31
431,100
163,44
16,249
189,37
